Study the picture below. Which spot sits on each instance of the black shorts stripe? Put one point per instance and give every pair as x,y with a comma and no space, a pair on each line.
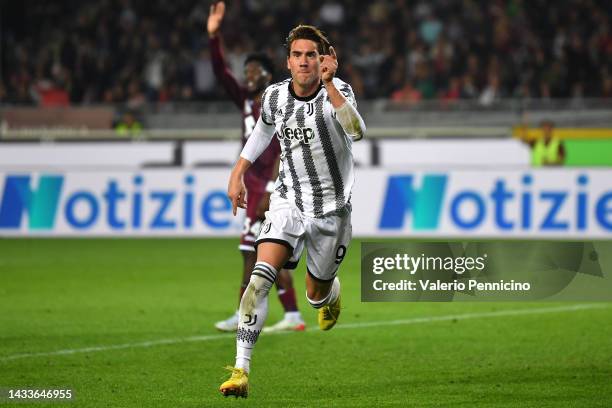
313,177
319,279
291,264
277,241
261,275
330,155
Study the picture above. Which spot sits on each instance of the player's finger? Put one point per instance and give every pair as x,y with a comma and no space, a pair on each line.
234,205
332,52
221,6
212,9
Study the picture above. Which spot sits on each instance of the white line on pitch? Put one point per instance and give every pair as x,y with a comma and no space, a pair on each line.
415,320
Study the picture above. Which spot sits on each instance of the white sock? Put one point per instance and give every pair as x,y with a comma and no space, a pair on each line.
243,358
293,316
253,312
331,297
334,292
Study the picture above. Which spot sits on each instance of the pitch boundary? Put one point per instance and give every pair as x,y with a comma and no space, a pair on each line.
414,320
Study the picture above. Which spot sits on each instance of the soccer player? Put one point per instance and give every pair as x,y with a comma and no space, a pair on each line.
314,116
258,72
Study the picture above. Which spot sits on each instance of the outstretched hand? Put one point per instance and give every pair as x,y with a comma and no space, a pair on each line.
328,65
236,191
217,11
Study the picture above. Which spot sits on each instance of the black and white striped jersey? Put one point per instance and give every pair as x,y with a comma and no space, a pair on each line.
316,170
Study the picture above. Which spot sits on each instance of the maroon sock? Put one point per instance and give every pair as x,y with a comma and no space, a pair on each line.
287,298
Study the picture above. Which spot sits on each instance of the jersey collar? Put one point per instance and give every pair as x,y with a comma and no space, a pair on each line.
304,98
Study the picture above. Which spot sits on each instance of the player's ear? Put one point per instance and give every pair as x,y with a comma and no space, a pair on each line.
288,66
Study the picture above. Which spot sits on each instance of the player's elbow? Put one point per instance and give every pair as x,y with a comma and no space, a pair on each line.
358,131
351,121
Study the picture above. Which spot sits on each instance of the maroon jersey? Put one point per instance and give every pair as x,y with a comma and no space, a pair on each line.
260,172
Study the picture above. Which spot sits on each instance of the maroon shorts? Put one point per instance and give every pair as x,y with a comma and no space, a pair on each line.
252,223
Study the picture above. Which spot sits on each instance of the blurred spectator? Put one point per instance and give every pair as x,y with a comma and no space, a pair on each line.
332,13
468,88
547,149
492,91
430,29
407,94
128,125
453,92
204,75
3,94
136,98
128,51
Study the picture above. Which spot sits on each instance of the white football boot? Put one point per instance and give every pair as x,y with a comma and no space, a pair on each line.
228,325
291,322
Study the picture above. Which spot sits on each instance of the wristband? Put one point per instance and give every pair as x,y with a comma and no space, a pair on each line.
270,186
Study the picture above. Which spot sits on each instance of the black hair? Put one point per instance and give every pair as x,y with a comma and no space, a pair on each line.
308,32
263,59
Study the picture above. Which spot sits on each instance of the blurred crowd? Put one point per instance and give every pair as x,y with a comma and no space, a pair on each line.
136,51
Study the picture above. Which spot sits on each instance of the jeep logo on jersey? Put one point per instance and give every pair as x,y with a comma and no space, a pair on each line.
302,134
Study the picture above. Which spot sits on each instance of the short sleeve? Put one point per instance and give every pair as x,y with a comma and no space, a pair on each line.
346,90
266,115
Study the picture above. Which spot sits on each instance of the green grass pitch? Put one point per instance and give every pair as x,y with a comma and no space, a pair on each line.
134,318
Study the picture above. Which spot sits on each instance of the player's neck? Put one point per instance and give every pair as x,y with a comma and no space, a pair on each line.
303,93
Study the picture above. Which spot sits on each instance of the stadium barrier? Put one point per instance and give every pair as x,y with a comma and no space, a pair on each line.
583,146
211,153
92,155
555,203
581,151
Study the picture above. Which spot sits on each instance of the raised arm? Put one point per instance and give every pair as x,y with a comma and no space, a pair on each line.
345,106
222,71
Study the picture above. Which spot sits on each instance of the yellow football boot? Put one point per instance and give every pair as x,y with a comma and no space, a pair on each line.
237,385
328,315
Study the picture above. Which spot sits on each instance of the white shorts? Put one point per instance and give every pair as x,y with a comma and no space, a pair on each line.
325,239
